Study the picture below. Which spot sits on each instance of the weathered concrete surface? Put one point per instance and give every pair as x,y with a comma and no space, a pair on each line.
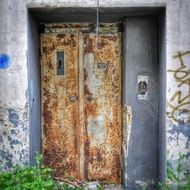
14,126
13,136
14,80
178,86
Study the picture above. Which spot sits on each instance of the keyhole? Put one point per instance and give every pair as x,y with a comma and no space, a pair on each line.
59,64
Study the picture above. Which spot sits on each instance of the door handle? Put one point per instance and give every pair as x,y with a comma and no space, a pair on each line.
73,98
89,98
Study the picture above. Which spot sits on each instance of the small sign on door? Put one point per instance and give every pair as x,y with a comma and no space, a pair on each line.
101,65
142,88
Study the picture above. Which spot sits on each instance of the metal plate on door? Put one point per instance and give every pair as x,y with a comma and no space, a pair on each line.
73,98
142,88
101,65
60,63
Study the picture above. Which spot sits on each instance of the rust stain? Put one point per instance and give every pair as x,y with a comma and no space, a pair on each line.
86,161
84,27
85,74
99,156
92,109
69,40
54,158
101,43
86,91
117,173
88,46
86,147
112,38
44,49
61,35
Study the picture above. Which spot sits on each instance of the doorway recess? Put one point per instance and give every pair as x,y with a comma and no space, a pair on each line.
40,16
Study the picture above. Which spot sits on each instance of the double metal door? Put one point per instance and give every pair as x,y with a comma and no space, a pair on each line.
81,101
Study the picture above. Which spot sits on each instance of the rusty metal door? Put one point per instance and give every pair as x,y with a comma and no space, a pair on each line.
59,113
81,103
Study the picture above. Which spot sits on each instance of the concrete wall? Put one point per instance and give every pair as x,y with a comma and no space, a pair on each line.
14,111
162,95
14,80
177,91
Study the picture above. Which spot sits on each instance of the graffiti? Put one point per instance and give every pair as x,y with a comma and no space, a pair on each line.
4,61
179,102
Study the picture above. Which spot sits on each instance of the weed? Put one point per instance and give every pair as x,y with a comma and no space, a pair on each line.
174,176
38,177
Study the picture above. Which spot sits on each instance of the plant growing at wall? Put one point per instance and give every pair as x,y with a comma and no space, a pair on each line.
175,174
38,177
28,178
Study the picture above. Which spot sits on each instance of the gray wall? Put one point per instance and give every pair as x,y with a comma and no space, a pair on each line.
141,51
162,100
34,87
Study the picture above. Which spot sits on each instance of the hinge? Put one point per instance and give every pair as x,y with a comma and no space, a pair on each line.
121,27
39,53
41,28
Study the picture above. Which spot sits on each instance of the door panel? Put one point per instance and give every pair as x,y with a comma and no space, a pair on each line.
102,107
59,112
81,104
142,165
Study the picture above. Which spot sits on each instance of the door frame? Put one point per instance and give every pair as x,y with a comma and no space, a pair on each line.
36,15
84,41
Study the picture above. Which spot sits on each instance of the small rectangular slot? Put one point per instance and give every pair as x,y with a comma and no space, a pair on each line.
60,63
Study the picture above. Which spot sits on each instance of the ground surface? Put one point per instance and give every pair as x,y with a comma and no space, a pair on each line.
92,186
113,187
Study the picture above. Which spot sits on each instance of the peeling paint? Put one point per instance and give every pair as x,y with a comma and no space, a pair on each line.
13,117
96,129
14,138
127,124
6,158
183,129
1,139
